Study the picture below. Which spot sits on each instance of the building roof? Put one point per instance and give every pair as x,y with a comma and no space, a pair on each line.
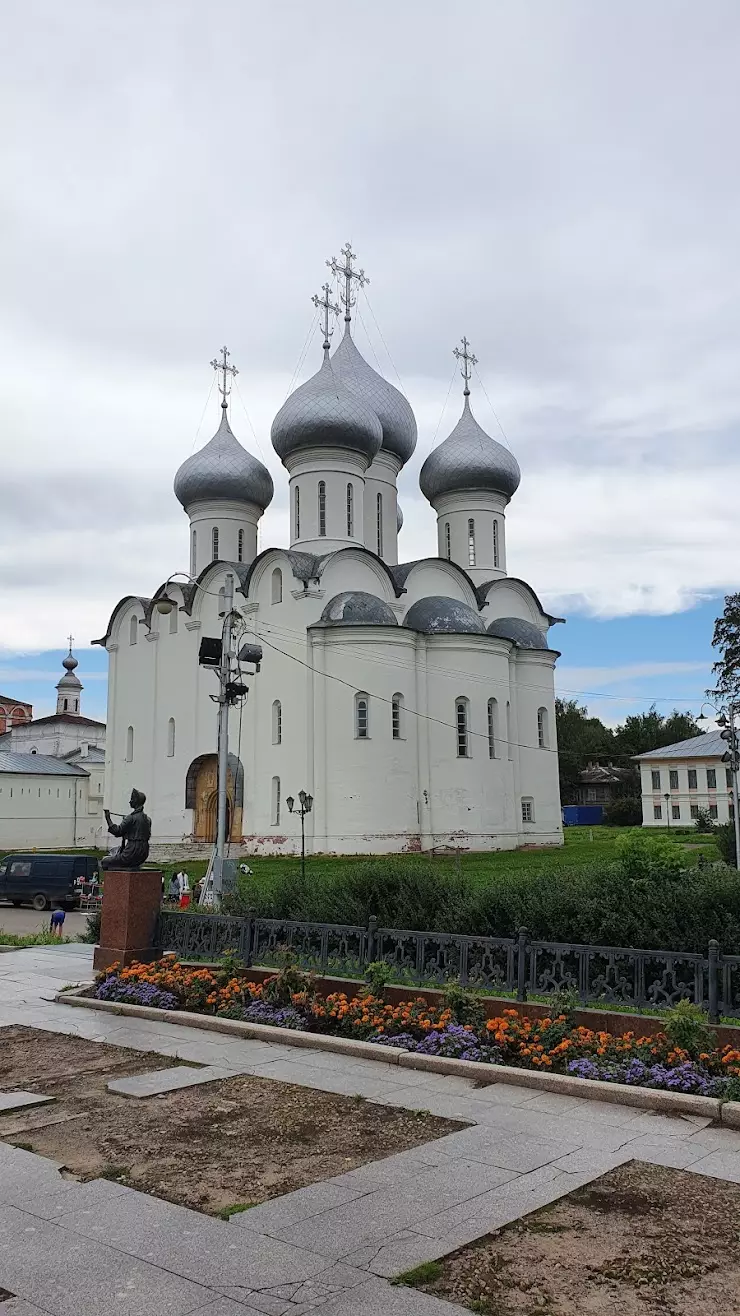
323,413
95,754
16,703
709,745
223,469
75,718
469,459
598,774
41,765
390,406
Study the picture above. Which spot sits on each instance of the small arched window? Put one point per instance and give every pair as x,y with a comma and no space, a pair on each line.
222,601
277,723
130,745
275,805
495,543
471,542
461,728
240,546
448,542
173,621
214,544
77,705
65,705
350,511
379,521
171,738
322,507
492,727
297,512
133,630
397,717
543,738
277,585
362,716
193,553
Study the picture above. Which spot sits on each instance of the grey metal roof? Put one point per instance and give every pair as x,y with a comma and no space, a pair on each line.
354,607
436,615
390,406
223,469
706,746
469,459
323,413
41,765
523,633
69,682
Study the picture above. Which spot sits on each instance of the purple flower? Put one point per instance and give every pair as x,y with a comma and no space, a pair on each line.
135,993
279,1016
402,1041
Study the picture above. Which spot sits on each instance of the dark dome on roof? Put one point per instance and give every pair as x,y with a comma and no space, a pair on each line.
356,608
523,633
437,615
323,413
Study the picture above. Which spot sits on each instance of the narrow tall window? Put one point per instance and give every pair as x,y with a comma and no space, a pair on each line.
379,521
65,705
193,553
693,781
461,725
277,585
362,717
495,543
173,621
657,812
240,546
655,779
130,745
322,507
350,511
527,810
492,727
676,812
397,716
542,729
711,779
297,511
133,630
448,541
673,779
171,738
277,723
471,542
214,544
276,801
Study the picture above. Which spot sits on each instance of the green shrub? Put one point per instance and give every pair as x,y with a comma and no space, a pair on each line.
645,858
687,1026
466,1007
704,821
724,835
92,928
626,812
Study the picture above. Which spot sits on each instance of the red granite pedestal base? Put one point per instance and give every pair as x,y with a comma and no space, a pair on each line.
131,903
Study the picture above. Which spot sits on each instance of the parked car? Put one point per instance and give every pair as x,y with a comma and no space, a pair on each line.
45,879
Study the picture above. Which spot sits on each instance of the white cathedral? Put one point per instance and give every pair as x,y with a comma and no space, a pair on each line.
414,701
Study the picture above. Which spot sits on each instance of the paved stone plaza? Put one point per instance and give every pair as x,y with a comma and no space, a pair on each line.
70,1249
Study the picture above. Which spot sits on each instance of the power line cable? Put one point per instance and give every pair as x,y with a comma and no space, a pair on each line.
202,416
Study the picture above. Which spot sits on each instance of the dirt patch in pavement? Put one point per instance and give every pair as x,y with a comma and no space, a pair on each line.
640,1241
241,1141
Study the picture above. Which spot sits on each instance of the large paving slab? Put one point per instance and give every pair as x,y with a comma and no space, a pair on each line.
12,1101
154,1083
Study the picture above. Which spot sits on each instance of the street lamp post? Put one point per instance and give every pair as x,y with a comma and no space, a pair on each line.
305,806
667,797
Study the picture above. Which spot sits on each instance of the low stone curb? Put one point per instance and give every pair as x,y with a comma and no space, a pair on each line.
680,1103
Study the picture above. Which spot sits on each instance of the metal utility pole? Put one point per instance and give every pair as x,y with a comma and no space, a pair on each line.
224,680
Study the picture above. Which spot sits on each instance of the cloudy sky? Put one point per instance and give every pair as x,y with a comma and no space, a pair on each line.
555,178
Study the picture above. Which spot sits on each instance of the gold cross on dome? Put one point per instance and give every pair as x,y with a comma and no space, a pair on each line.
224,369
468,360
348,273
328,307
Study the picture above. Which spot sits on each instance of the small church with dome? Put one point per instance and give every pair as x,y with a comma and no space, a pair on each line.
413,701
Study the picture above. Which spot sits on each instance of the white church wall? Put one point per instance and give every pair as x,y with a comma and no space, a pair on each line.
56,738
507,598
533,690
349,571
432,577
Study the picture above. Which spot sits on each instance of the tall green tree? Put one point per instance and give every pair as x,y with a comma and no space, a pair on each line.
642,732
581,739
726,640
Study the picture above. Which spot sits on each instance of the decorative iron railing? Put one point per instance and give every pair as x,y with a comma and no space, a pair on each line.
610,974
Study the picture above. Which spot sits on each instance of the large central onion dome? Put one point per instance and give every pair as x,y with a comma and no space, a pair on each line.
469,459
223,470
390,406
322,413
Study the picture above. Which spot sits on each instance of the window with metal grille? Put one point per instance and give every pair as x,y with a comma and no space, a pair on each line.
240,546
673,779
713,811
675,811
277,723
214,544
448,543
542,728
527,810
362,718
379,521
322,507
350,510
397,716
694,810
655,775
461,723
495,543
297,511
492,728
471,542
711,779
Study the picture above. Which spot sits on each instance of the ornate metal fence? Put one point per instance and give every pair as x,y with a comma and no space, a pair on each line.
610,974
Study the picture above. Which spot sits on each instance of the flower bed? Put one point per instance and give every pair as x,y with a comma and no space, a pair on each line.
454,1028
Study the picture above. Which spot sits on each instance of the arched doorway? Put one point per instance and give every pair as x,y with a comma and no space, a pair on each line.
201,795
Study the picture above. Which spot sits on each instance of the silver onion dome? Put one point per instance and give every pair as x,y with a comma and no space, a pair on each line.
354,607
437,615
322,413
469,459
522,633
399,518
390,406
223,469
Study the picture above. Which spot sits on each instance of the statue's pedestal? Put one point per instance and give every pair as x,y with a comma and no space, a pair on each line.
131,903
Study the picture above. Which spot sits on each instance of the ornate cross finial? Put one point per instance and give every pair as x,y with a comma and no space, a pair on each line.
71,640
328,307
224,369
468,360
347,273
